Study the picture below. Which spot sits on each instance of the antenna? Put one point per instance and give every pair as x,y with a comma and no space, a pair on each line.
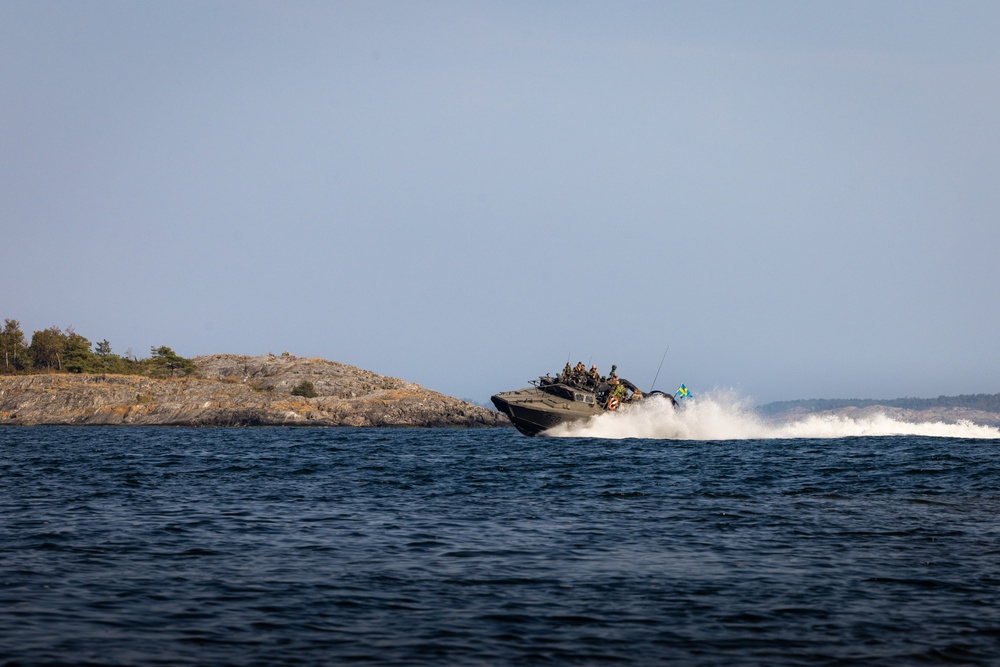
658,369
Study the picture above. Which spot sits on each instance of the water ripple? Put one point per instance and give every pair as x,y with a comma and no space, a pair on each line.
298,546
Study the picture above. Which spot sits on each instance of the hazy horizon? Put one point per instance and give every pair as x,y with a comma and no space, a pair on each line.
800,199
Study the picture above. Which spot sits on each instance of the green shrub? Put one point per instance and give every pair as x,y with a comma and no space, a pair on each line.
305,389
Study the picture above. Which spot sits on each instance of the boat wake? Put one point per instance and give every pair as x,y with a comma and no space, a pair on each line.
725,416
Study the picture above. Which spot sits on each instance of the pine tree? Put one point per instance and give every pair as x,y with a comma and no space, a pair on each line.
14,354
166,362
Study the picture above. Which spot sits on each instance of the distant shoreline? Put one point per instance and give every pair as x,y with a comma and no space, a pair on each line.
241,391
976,408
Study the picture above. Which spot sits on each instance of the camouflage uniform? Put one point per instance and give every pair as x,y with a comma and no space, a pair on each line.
617,388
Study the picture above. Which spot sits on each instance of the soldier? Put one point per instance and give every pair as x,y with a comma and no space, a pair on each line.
594,375
636,395
565,372
617,388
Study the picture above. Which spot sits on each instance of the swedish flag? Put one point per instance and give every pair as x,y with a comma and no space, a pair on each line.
682,392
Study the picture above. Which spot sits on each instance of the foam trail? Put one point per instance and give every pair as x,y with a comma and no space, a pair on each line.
725,416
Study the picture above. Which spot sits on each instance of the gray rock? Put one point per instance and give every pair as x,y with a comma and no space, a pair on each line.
234,390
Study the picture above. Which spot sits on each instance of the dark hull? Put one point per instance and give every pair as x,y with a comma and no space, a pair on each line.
535,417
533,410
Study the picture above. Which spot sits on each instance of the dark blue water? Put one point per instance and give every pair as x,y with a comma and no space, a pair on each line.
295,546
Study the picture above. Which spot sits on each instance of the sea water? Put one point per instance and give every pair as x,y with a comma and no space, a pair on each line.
275,546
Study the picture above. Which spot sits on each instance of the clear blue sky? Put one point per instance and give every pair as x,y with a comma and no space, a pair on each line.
802,199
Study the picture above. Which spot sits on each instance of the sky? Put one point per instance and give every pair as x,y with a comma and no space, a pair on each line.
782,199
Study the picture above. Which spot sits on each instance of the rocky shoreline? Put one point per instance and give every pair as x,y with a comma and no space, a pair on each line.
235,390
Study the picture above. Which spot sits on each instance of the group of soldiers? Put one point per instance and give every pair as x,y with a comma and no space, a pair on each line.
579,376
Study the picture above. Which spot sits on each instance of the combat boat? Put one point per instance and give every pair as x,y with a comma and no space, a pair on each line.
551,401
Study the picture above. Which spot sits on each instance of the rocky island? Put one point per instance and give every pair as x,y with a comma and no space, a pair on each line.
234,390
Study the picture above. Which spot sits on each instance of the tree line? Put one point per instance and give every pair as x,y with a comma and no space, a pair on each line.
53,350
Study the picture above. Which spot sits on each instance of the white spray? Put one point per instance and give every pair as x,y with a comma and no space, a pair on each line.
725,416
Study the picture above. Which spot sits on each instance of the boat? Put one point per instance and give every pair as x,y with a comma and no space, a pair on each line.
572,396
